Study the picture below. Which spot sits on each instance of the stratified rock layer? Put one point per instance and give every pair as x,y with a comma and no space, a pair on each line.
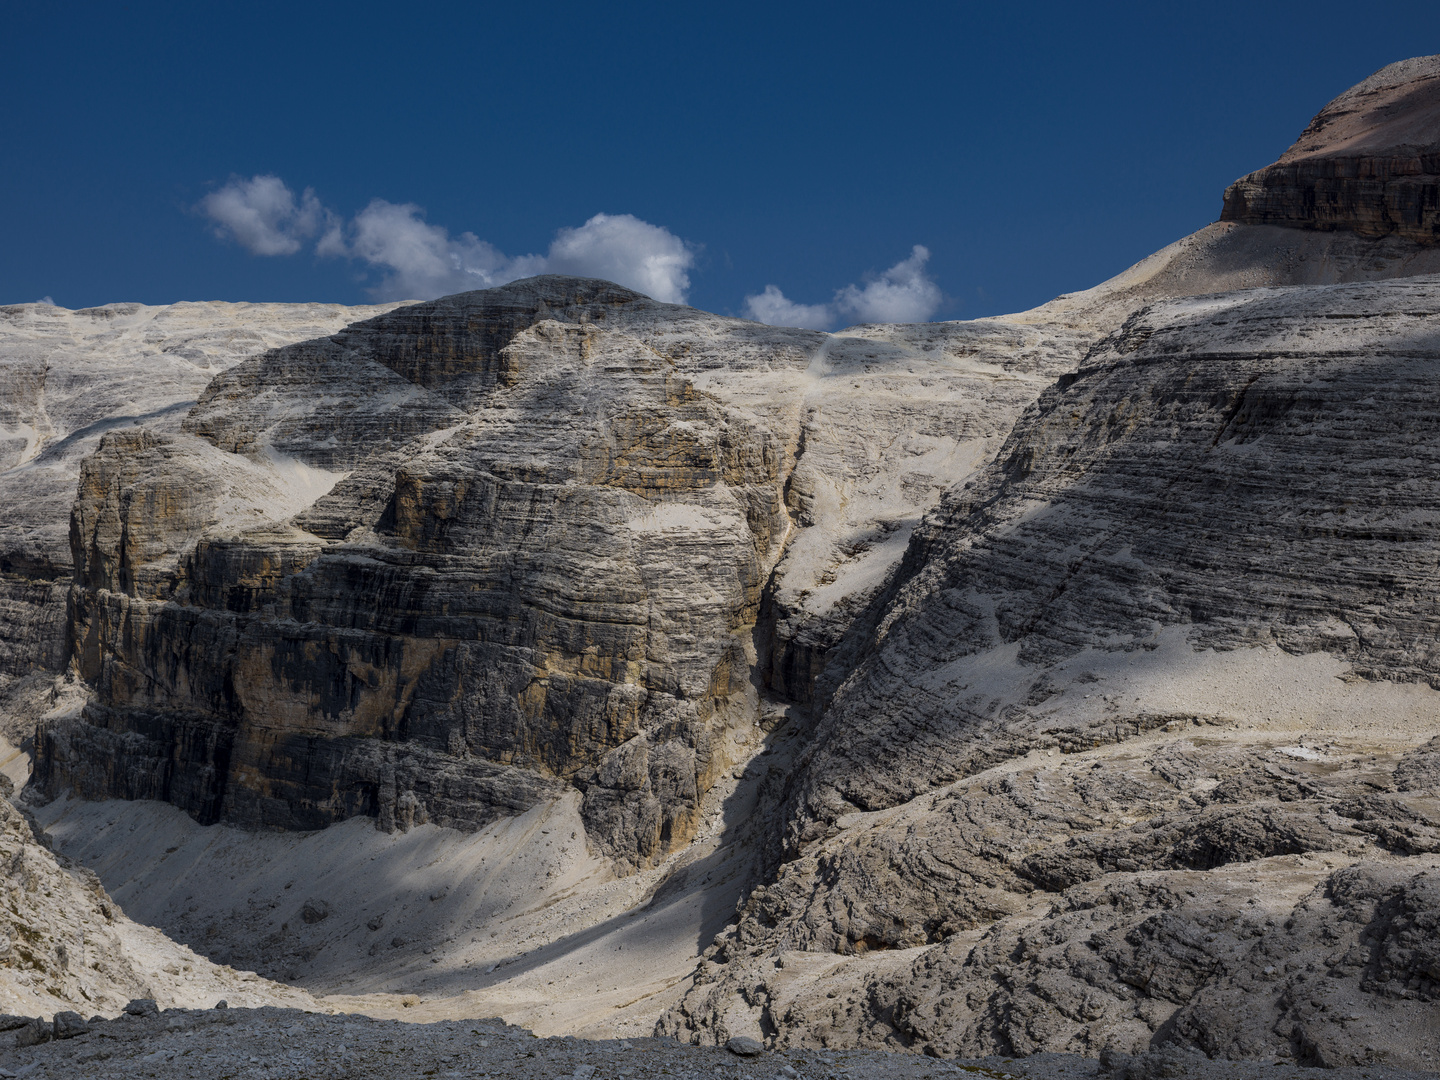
1235,496
69,377
450,561
1369,163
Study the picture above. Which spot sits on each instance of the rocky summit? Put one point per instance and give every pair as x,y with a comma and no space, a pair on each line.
1055,693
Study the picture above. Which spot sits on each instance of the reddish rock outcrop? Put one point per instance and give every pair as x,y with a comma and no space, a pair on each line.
1368,163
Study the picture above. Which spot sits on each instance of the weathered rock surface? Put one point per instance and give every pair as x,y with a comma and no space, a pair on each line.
69,377
1225,509
1267,902
1369,163
554,514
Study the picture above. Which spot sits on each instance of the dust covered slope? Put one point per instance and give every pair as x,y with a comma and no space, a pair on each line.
64,944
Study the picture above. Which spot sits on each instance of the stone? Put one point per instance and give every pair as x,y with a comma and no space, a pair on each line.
67,1025
142,1007
744,1046
1054,756
33,1033
314,911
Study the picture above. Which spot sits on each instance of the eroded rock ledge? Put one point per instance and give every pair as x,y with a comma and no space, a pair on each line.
1369,163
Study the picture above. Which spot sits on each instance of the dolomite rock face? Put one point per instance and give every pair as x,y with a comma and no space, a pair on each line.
1172,481
457,559
1369,163
1156,549
68,378
1270,902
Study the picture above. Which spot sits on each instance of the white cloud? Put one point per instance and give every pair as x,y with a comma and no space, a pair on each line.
773,309
262,216
902,294
623,249
421,261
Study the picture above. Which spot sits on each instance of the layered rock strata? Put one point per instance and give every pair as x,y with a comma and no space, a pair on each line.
456,559
1368,163
69,377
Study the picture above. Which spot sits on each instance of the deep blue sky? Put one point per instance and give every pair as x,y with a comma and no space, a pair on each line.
1034,148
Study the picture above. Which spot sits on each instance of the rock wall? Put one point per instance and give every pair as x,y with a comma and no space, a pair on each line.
68,378
462,557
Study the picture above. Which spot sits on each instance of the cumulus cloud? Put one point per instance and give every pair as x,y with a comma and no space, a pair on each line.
420,261
904,293
624,249
772,308
262,215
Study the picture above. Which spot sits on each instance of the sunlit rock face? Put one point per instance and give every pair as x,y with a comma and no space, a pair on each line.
1368,163
452,561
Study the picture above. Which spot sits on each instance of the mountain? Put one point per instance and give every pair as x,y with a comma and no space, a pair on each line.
1059,682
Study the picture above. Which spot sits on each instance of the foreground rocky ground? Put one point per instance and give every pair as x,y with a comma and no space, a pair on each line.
281,1044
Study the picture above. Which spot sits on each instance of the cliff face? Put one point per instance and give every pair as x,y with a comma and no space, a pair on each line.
456,559
68,378
1369,163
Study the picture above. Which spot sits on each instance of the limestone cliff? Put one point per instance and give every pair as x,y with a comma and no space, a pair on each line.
456,559
68,378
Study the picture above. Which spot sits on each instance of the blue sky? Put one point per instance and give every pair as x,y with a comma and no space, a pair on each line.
1030,149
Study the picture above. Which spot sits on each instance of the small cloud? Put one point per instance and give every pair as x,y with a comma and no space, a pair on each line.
630,252
47,300
422,261
262,215
903,293
773,309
